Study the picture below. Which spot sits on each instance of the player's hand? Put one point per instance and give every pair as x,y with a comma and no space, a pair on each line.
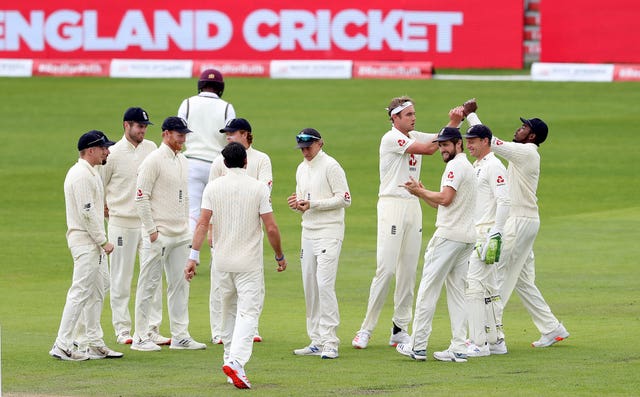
190,270
491,249
108,248
282,265
153,237
303,205
413,186
292,201
469,106
456,115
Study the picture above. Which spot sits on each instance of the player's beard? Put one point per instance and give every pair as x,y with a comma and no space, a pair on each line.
448,156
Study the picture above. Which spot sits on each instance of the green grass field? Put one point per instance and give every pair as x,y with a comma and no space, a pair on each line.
587,249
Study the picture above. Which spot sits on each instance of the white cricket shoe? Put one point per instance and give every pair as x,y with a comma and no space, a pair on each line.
449,356
400,337
145,345
187,344
124,338
557,335
159,339
235,371
361,340
67,355
406,349
500,347
100,352
474,350
329,352
311,350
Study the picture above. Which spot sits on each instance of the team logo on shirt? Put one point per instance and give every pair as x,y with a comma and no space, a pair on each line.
500,180
402,142
139,193
347,196
450,175
413,160
87,207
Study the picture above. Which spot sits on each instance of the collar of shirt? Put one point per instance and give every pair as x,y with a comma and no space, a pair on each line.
209,94
315,159
168,151
238,171
86,164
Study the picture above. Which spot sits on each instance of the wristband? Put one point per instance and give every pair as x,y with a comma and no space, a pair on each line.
194,255
279,259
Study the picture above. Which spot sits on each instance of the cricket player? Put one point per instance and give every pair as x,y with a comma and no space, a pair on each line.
119,177
206,113
399,222
88,243
162,203
321,196
237,205
484,306
516,268
258,167
447,255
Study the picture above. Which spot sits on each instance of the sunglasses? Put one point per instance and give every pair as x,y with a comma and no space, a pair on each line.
306,138
101,139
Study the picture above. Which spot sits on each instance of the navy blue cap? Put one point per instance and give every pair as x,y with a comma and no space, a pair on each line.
177,124
236,125
94,138
138,115
447,134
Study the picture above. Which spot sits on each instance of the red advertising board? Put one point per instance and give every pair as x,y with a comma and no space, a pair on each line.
590,31
457,34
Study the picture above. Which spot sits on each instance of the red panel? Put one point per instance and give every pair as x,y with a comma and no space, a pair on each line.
438,31
590,31
626,72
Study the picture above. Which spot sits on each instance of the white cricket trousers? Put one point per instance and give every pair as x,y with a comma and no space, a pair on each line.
215,302
445,263
170,253
127,242
399,240
242,295
319,259
198,179
85,296
484,306
517,270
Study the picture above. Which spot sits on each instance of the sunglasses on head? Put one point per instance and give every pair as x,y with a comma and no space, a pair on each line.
101,139
306,138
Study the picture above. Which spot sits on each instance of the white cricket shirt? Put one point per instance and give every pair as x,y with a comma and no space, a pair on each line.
162,196
236,201
523,173
119,177
493,190
258,167
396,166
455,221
84,202
323,182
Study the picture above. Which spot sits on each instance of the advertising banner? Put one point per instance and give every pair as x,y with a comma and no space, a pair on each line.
590,31
458,34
